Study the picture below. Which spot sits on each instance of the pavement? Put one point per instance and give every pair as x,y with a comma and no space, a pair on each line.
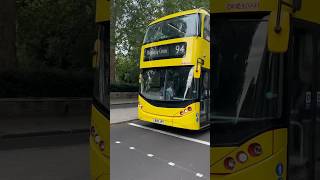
123,110
27,126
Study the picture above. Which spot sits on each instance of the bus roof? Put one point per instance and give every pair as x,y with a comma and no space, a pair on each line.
193,11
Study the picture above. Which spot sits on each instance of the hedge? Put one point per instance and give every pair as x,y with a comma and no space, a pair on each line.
124,87
44,83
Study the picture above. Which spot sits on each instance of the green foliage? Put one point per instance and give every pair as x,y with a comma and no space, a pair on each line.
127,70
123,87
129,21
55,33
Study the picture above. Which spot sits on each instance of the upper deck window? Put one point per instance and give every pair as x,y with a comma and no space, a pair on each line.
178,27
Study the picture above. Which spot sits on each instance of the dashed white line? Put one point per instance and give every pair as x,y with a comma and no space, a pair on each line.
199,175
170,163
171,134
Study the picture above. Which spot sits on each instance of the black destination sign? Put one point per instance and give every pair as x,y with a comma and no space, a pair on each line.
177,50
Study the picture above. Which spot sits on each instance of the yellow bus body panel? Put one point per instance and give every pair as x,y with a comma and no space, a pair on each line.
230,6
170,116
102,10
308,12
100,161
274,145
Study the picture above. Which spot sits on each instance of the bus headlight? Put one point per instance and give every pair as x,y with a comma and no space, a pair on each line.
186,110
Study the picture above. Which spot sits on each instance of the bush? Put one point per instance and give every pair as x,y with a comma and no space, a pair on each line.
45,83
124,87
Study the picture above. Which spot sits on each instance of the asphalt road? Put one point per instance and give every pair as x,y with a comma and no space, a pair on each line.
58,157
145,151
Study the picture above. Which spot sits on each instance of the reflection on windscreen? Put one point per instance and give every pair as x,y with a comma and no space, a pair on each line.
168,84
183,26
246,74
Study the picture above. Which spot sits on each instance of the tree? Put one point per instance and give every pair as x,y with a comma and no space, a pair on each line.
130,19
55,33
7,34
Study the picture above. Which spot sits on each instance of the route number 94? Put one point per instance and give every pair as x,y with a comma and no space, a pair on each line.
180,49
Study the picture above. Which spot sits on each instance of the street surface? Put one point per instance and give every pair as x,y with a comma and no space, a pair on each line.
54,157
145,151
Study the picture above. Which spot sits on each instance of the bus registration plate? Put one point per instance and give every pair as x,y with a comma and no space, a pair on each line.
158,121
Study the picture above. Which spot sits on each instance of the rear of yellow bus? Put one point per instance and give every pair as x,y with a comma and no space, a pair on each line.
100,123
174,79
249,131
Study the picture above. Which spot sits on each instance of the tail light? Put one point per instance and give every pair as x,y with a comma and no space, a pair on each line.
229,163
102,145
189,108
255,149
97,139
242,157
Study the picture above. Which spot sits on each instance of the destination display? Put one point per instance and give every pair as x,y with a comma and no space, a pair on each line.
168,51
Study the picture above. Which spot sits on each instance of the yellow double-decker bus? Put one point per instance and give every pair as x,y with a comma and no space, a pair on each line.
100,117
175,63
266,90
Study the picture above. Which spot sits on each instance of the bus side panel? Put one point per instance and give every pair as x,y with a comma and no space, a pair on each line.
100,160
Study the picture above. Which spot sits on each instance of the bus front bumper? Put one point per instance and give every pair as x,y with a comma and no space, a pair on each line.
185,122
264,170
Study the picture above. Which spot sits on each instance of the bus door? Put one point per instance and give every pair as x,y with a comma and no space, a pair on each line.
317,121
304,102
204,97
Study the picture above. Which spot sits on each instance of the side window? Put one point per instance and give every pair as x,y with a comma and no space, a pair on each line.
206,33
205,86
101,76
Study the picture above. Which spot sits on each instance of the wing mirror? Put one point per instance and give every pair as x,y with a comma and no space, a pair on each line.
197,72
278,31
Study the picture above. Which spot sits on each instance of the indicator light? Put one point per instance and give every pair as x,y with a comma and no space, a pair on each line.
229,163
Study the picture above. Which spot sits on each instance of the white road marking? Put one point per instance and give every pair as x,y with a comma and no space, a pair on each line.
171,163
199,175
117,142
150,155
132,148
171,134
